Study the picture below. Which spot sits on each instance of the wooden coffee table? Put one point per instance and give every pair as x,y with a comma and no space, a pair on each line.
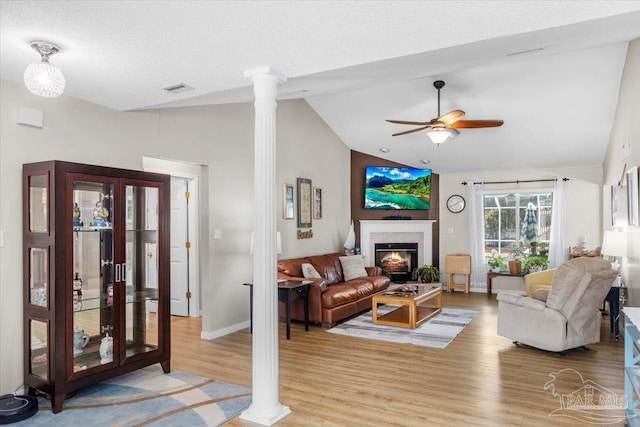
411,311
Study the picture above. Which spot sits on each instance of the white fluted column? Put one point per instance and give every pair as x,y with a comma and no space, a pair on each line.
265,407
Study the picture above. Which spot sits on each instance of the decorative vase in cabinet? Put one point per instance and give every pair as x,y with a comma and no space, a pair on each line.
95,304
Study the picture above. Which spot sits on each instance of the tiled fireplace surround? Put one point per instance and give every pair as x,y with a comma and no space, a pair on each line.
396,231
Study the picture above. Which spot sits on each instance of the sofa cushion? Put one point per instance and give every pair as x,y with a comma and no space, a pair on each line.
352,267
309,272
339,294
567,277
328,266
379,282
563,283
541,294
291,267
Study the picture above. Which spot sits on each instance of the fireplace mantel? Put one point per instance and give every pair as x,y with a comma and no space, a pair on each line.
389,231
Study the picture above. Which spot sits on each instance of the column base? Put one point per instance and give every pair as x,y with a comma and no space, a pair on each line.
252,414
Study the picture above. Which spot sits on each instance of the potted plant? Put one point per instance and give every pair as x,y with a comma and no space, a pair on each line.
531,264
496,263
515,260
426,274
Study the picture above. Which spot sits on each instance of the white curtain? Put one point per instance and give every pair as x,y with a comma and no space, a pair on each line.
476,234
557,241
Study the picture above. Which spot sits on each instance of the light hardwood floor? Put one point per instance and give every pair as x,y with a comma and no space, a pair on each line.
479,379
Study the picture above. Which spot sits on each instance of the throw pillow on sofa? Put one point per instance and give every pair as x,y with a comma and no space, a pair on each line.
352,267
309,272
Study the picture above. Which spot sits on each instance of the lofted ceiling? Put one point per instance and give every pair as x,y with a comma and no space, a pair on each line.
550,69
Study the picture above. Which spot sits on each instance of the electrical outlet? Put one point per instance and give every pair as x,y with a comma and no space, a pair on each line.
217,234
450,230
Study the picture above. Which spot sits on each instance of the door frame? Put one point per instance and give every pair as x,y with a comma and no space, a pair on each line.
176,170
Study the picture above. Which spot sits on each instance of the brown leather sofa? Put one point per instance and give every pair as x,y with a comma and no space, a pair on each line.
331,299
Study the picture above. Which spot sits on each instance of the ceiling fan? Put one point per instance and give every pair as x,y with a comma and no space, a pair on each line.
446,126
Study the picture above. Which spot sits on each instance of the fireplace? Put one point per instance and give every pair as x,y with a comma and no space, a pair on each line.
397,260
398,231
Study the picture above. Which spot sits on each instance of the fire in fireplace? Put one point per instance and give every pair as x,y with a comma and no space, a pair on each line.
397,260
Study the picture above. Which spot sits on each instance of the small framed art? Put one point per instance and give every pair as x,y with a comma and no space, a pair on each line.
287,201
619,205
317,203
304,202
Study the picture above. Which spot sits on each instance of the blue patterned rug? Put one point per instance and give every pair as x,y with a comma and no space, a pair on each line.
436,332
148,397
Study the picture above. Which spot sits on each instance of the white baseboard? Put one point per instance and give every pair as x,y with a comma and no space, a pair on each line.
211,335
472,289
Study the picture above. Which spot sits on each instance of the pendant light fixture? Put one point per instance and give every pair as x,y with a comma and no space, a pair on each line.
438,135
42,78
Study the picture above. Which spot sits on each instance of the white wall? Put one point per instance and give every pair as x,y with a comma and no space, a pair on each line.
218,137
583,212
625,130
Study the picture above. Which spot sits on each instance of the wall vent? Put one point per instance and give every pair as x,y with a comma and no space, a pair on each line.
522,52
178,88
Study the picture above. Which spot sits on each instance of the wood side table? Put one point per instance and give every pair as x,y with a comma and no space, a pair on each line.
616,297
288,291
491,275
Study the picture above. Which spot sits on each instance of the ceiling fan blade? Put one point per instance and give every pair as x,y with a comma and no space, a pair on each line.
469,124
410,131
403,122
451,117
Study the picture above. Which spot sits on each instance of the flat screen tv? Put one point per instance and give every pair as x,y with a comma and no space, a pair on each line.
397,188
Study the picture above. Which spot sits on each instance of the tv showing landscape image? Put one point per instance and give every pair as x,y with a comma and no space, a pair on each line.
397,188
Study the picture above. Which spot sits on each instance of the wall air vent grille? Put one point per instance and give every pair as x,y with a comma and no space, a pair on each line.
178,88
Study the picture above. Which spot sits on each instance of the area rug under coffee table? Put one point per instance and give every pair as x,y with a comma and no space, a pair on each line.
437,332
148,397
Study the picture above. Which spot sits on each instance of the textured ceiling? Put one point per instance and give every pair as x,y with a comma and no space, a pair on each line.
357,63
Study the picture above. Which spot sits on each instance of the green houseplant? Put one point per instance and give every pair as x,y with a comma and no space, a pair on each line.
496,263
515,260
531,264
426,274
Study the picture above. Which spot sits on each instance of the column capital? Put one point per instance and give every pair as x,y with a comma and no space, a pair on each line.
265,70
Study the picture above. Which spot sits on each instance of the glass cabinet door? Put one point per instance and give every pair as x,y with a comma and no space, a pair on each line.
91,280
141,268
38,203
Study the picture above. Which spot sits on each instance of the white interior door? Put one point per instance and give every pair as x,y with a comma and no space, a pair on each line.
179,247
184,227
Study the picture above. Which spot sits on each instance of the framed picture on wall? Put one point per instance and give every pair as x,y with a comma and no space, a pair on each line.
317,203
633,203
287,201
618,205
304,202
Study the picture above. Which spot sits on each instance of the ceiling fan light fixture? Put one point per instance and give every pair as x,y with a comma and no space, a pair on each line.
42,78
438,135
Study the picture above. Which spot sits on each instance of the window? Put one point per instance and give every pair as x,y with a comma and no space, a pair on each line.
504,214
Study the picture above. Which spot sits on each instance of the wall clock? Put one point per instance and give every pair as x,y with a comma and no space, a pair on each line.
456,203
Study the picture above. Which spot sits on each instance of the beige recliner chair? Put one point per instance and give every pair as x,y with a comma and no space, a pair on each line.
569,318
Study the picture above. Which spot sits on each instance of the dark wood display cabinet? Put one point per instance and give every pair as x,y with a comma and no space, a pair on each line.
96,275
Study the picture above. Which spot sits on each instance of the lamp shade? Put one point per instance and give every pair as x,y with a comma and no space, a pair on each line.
278,243
440,134
633,247
350,241
616,244
44,79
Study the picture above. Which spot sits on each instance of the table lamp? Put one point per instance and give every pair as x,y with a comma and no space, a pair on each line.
278,243
616,244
